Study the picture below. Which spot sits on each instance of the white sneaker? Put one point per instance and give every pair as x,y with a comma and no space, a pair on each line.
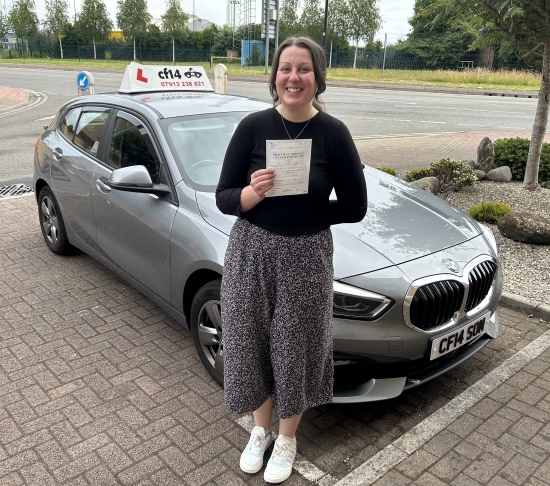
279,466
252,458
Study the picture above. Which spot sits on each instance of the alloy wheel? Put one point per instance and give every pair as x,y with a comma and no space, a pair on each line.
49,220
210,333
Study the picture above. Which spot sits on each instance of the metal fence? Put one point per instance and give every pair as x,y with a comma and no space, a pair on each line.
344,58
111,52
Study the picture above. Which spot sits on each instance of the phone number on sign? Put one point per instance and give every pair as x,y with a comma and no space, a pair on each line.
177,84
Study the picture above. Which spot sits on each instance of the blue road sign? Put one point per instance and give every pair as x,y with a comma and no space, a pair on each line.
82,80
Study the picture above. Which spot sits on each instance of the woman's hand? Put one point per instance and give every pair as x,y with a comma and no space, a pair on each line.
262,181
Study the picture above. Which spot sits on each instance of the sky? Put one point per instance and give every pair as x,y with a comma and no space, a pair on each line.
394,12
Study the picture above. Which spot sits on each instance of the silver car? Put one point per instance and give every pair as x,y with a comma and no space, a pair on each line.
130,179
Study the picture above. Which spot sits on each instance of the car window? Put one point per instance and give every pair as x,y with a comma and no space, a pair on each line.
200,143
88,130
131,145
68,123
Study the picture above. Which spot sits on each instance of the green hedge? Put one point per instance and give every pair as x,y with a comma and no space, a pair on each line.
513,152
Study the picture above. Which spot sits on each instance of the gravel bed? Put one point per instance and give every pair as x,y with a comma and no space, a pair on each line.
526,267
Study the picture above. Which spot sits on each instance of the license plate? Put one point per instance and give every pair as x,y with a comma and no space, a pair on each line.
460,337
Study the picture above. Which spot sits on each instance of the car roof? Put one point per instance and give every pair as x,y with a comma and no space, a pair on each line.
170,104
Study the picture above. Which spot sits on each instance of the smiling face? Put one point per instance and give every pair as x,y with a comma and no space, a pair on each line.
295,81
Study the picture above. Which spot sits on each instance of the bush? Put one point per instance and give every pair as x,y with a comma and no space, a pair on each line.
489,212
388,170
418,173
513,152
451,174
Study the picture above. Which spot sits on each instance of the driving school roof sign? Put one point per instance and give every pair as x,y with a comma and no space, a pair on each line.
139,78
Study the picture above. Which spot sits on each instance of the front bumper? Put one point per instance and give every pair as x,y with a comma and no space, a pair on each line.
359,379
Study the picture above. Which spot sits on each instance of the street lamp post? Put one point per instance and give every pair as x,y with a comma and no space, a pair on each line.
325,26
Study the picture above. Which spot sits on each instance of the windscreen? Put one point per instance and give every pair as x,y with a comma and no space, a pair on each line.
199,143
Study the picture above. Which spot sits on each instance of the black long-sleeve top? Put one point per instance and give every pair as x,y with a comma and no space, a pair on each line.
335,163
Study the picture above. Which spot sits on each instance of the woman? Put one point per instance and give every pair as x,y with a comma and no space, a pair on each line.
276,295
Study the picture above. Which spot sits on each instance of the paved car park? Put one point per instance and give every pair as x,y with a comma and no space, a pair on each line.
99,386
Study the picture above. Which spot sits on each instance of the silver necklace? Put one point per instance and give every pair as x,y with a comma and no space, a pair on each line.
284,125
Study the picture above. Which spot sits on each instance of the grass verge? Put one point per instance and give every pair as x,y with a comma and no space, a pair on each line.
474,79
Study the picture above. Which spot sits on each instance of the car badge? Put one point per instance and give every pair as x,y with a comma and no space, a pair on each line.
451,265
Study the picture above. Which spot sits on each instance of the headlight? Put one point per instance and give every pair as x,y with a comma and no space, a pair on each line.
490,237
355,303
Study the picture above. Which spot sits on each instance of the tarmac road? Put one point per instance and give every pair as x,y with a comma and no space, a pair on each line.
396,128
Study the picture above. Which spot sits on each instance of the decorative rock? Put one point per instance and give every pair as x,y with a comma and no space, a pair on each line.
525,227
500,174
545,185
479,174
471,163
430,184
485,155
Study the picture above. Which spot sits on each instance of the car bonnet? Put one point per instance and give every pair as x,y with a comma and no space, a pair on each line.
403,223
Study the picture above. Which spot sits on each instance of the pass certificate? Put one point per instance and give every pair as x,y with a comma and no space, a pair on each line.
291,160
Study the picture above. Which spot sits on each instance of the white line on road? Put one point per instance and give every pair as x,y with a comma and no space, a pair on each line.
45,118
396,452
468,125
40,99
308,470
459,109
437,123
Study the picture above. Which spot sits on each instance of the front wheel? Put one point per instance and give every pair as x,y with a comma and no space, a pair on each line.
206,327
52,224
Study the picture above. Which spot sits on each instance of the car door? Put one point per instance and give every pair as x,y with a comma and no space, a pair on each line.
133,229
74,159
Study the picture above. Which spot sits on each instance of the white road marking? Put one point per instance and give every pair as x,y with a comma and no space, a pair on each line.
460,109
40,99
396,452
45,118
468,125
436,122
403,135
308,470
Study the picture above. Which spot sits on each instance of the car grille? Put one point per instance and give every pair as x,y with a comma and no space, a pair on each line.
434,304
480,280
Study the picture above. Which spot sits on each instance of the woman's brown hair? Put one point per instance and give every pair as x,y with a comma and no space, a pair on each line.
319,67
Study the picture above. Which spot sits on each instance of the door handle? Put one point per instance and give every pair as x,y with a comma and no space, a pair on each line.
102,186
57,153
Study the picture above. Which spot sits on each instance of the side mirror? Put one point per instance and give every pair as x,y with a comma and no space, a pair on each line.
136,178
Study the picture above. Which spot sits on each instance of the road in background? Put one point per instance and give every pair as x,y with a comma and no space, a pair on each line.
400,129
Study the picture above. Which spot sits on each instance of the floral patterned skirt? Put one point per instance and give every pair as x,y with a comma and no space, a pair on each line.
276,305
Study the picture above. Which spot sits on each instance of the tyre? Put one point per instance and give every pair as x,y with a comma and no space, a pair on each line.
52,224
206,327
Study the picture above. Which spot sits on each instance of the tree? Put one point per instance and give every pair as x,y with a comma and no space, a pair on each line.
288,19
222,41
311,20
522,27
24,21
132,18
174,23
57,18
3,26
440,40
95,22
359,20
